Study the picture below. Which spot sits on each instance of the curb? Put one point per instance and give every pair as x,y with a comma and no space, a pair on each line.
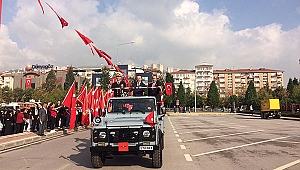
36,139
198,113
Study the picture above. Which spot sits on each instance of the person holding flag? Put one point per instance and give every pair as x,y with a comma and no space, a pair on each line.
70,102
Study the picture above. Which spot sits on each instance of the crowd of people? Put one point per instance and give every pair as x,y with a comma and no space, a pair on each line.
43,117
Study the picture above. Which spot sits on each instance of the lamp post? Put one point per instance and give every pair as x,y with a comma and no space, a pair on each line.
118,49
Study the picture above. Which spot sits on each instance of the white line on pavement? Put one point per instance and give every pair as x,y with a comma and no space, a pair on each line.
176,135
182,147
188,157
175,131
288,141
199,131
179,140
288,165
64,167
212,137
235,147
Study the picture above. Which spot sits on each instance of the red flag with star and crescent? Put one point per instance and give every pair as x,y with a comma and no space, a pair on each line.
150,119
70,102
63,22
28,82
169,89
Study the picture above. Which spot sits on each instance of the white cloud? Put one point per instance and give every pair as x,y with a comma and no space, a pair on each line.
171,32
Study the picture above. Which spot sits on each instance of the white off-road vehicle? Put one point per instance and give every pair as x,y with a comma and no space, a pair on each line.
131,125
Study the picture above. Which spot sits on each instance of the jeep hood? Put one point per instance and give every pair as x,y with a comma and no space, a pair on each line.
125,121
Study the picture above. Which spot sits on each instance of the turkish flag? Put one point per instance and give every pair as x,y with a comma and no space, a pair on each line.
85,39
169,89
70,102
150,118
28,83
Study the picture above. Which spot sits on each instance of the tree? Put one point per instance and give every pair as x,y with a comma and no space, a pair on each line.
265,93
181,95
87,83
213,96
18,94
28,94
251,95
7,94
70,78
51,82
296,94
234,99
39,94
295,81
290,87
55,95
105,79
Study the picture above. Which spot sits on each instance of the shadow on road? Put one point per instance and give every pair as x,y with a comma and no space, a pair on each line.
83,157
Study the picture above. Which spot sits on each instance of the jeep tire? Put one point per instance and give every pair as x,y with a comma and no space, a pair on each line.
157,157
97,159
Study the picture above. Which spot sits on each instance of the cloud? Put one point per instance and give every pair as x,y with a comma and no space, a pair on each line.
172,32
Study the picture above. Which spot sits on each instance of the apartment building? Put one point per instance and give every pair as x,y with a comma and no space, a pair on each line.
187,77
234,82
204,77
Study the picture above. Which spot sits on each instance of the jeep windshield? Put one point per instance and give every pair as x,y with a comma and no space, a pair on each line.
131,105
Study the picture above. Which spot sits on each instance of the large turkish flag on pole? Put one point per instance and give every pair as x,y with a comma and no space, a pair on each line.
28,82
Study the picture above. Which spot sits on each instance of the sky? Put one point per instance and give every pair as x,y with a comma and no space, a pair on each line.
178,33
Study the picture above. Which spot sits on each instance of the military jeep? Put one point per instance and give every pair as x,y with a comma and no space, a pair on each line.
131,125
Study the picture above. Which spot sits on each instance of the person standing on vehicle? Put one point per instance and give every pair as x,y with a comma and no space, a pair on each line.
138,86
118,86
154,89
42,118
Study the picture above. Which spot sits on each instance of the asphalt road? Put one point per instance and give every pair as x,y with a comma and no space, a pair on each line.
191,142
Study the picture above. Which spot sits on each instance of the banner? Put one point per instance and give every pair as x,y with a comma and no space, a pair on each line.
28,83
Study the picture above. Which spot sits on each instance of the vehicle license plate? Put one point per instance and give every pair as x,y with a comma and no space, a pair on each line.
143,148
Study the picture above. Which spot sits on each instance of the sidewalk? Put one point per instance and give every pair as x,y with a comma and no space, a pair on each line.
22,139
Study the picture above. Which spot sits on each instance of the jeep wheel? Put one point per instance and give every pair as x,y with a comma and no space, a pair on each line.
97,160
157,158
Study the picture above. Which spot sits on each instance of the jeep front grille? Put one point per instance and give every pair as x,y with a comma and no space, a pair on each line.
124,135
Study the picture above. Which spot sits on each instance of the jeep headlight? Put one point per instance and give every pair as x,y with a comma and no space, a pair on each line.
102,135
146,134
97,120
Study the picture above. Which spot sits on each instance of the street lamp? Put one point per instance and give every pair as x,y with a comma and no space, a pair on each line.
118,49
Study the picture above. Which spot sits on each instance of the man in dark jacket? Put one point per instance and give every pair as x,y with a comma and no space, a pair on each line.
154,89
42,118
138,85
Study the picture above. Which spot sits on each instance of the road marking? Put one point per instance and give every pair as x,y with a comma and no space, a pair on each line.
240,146
233,134
203,127
182,147
199,131
188,157
288,165
177,135
179,140
175,131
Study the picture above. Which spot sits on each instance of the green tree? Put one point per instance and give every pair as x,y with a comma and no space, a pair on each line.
296,94
87,83
39,94
295,81
234,99
51,82
290,87
18,94
1,96
105,79
55,95
7,94
251,95
28,94
181,95
265,93
213,96
70,78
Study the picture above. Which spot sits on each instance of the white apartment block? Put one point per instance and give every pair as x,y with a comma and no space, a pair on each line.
187,77
204,77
